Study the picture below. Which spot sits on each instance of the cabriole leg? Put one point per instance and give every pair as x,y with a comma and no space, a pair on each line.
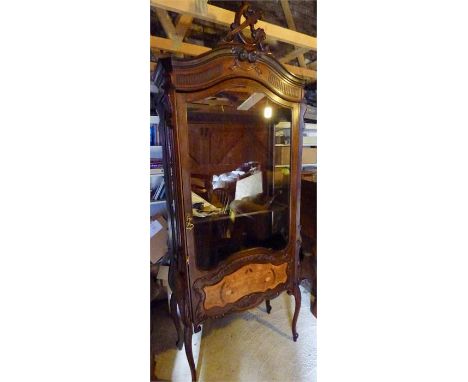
297,298
188,331
175,318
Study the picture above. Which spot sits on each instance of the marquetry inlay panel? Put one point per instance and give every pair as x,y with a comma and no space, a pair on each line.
251,278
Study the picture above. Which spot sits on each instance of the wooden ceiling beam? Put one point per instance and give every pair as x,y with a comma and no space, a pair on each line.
169,46
225,17
175,33
251,101
288,15
292,26
294,54
166,23
184,22
194,50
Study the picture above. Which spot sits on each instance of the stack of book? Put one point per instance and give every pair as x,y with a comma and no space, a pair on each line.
156,139
156,163
157,171
159,192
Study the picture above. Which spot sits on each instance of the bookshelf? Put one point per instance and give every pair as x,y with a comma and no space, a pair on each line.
157,186
309,138
282,137
282,132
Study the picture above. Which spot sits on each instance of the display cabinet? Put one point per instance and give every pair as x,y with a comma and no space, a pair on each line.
232,132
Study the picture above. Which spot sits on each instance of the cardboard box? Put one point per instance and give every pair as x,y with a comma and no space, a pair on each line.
309,155
158,241
309,140
282,155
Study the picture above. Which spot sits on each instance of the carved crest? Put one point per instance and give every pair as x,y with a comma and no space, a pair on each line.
246,48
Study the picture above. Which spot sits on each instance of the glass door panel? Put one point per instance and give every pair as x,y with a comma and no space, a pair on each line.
240,157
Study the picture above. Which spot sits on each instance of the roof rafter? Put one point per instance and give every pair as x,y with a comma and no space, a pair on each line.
294,54
225,17
166,23
292,26
184,22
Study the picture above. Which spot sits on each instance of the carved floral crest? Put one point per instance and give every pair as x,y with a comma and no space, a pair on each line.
246,48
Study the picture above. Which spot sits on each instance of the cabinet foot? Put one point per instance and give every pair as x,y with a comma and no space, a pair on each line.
297,298
268,306
188,331
176,319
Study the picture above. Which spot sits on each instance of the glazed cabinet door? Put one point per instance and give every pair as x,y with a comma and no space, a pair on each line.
239,175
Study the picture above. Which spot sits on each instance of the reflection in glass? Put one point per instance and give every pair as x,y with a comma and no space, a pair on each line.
239,143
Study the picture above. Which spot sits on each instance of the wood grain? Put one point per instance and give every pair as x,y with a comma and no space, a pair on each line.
251,278
216,149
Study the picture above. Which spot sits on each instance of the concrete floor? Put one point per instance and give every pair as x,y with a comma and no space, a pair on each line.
249,346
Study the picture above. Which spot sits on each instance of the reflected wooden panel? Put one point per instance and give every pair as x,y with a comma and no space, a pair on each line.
232,146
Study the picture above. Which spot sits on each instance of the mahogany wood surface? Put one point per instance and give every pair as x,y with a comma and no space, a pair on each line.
249,277
309,235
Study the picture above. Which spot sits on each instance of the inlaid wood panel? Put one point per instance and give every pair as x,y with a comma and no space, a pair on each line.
251,278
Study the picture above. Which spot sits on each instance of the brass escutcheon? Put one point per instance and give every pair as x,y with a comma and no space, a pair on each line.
188,223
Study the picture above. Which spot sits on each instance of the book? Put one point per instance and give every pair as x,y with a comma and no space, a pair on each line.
158,192
156,163
162,192
155,136
152,135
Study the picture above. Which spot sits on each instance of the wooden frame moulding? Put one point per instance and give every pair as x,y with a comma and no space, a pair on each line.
195,50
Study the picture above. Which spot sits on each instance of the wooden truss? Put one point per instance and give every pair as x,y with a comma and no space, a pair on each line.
188,9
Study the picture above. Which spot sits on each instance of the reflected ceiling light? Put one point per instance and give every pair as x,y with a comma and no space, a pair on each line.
267,112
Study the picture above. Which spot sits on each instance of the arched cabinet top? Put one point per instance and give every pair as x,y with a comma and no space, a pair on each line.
211,68
204,71
237,56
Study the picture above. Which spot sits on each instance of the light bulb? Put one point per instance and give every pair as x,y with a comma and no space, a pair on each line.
267,112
